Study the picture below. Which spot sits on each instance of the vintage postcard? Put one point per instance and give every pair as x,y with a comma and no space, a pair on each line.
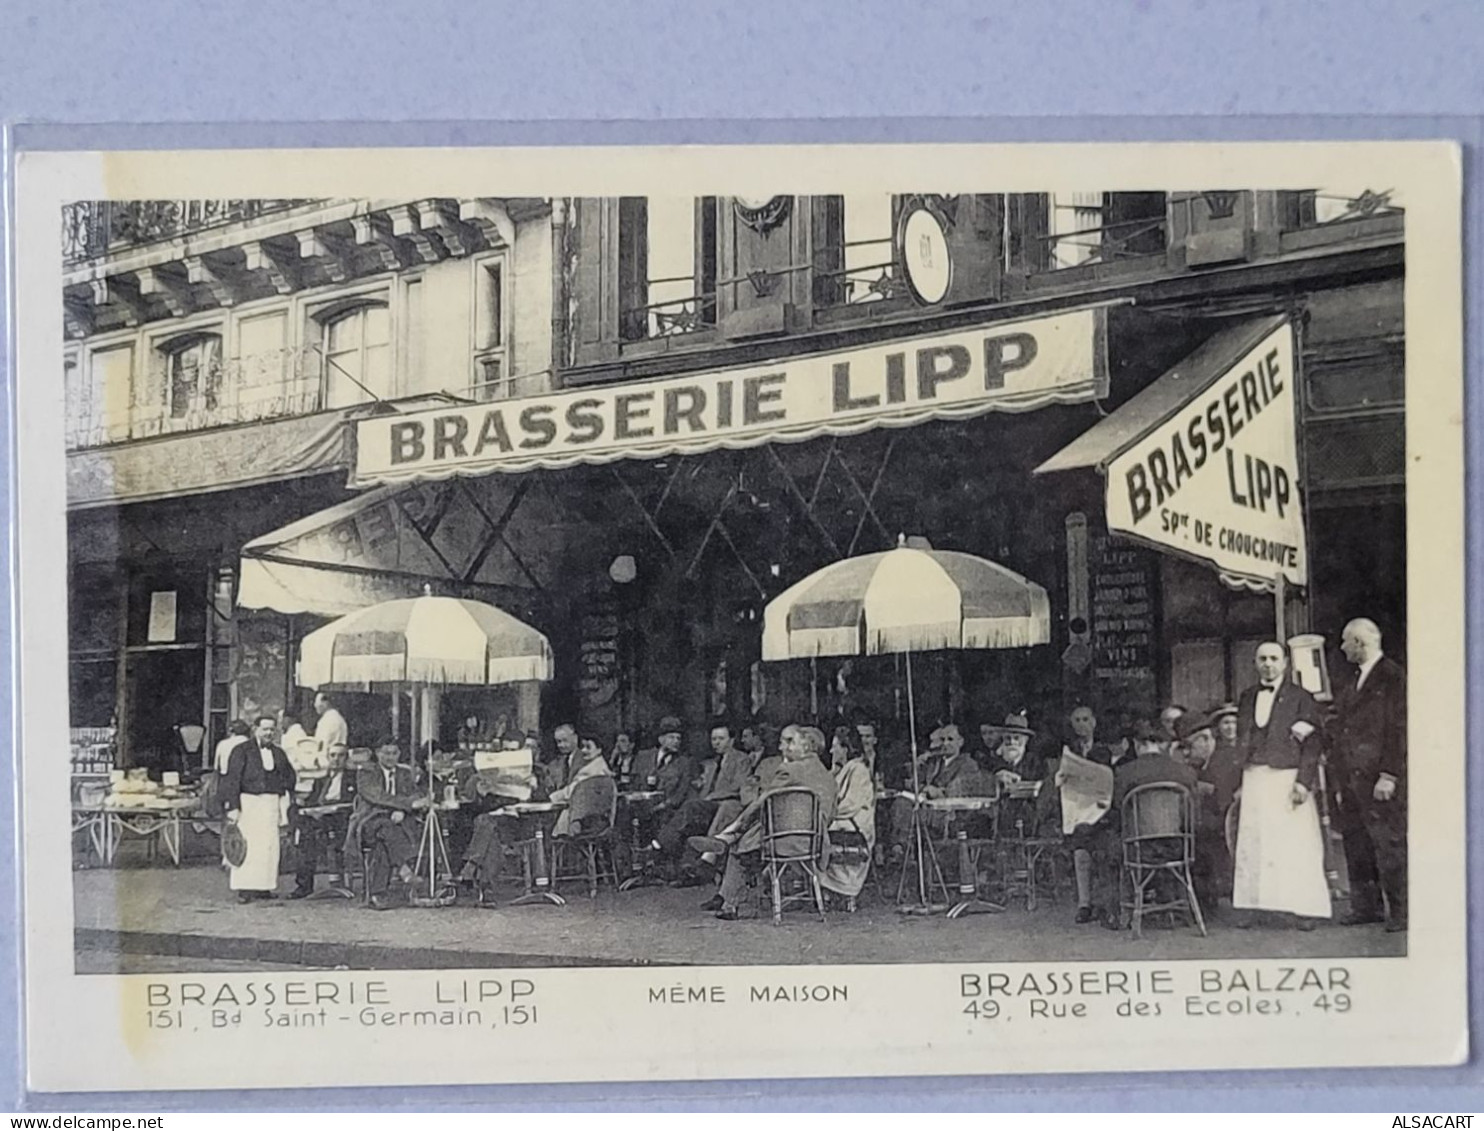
612,613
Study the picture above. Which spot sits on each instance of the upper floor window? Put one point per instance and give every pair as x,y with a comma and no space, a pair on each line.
193,374
1318,208
667,248
99,395
1073,229
491,373
854,249
356,347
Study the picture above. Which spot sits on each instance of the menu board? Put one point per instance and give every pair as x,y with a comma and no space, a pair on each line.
1123,621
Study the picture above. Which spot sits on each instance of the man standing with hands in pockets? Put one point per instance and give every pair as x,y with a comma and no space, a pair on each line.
1370,748
1280,842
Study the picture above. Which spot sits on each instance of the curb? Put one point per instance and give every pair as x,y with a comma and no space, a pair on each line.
321,955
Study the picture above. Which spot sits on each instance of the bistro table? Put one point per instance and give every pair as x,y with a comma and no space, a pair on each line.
157,821
958,810
639,804
94,821
1019,846
326,815
535,852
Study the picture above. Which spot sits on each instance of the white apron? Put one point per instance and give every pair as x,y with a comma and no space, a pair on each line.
1280,848
258,820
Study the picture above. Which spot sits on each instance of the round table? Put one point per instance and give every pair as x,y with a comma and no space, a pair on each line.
637,803
543,814
956,808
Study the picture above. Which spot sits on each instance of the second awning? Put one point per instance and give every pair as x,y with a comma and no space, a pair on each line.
1204,461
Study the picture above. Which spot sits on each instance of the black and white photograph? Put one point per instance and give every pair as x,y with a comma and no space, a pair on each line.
1013,581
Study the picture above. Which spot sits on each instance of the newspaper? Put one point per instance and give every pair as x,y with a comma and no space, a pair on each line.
1086,791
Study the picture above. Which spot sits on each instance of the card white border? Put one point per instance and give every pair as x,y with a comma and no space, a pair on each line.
596,1025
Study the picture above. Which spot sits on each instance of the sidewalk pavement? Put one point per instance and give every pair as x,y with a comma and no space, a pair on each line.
188,913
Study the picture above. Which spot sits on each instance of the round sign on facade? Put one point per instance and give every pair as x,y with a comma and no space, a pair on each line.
922,244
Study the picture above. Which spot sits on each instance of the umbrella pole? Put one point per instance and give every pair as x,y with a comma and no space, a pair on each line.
917,838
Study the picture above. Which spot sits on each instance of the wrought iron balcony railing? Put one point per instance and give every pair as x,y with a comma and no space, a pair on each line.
264,386
93,228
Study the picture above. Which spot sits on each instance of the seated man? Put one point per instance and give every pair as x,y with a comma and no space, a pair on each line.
698,814
319,833
742,840
386,795
1215,792
664,769
1012,761
1151,765
490,791
944,771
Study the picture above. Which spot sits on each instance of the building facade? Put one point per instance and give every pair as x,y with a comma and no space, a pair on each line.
659,288
230,367
217,353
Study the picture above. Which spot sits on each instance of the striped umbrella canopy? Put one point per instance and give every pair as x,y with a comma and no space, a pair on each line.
905,600
429,640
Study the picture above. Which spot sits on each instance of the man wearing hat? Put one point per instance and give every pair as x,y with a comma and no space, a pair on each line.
1011,760
666,770
1152,764
1215,786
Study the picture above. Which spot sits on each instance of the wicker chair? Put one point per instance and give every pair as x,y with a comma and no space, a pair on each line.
793,843
1159,840
592,816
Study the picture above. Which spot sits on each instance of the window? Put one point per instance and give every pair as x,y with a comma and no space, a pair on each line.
103,395
263,383
854,249
667,266
1074,222
357,355
490,372
1318,208
1100,227
193,375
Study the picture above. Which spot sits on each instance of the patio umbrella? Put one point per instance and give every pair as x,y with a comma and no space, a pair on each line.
903,601
426,642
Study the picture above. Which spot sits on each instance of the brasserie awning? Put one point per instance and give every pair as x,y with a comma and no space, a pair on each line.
218,459
467,539
226,457
436,513
1204,461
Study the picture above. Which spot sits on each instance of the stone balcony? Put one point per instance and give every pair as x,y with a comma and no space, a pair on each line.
130,262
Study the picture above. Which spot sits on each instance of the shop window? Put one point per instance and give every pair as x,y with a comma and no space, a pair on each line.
854,249
167,606
667,249
356,347
193,376
92,691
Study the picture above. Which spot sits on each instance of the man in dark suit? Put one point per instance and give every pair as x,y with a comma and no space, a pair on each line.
386,795
1150,763
945,770
802,767
321,832
665,767
1370,750
1279,860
